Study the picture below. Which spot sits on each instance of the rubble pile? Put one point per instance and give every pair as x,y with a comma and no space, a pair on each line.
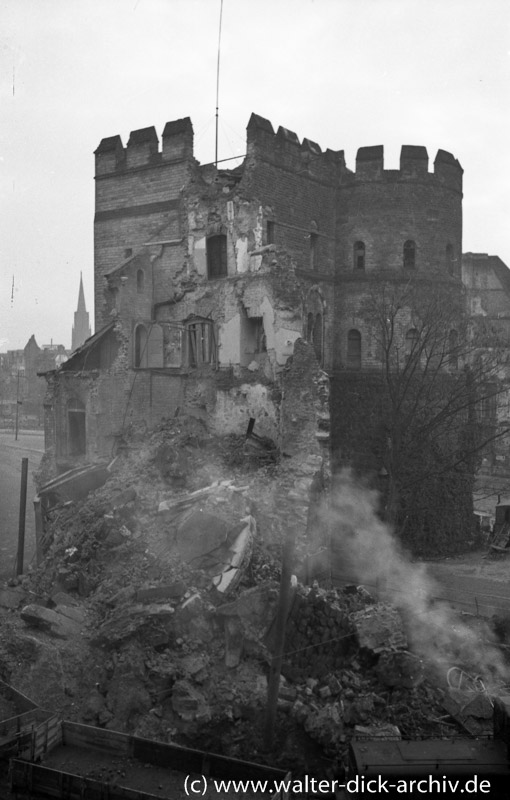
153,613
319,636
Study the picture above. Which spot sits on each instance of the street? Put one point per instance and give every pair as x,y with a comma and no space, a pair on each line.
29,445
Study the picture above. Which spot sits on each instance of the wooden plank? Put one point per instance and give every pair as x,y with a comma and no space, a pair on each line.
20,700
24,721
182,759
185,759
74,733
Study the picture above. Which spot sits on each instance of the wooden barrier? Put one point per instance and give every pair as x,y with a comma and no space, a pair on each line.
171,763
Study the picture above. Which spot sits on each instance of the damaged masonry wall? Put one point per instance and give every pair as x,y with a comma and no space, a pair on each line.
203,287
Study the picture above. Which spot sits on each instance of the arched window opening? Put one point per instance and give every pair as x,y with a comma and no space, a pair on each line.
450,259
76,439
453,349
314,246
412,337
140,359
216,256
409,254
140,281
359,255
317,337
354,349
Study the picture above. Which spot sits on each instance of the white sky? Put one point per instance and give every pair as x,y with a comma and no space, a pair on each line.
344,73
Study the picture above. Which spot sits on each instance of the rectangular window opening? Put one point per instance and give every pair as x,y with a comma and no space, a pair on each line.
217,256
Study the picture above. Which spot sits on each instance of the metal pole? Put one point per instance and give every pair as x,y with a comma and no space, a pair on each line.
218,88
280,625
39,530
17,408
22,509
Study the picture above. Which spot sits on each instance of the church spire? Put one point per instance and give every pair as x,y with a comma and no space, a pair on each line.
81,298
81,327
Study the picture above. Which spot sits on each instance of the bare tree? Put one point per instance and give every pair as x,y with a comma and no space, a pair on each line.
440,391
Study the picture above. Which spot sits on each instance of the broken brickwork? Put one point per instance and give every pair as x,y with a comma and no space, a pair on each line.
207,279
202,289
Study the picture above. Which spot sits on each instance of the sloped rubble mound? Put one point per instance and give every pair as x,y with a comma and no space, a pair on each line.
153,613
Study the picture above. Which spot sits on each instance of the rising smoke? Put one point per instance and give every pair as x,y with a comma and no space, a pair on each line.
368,553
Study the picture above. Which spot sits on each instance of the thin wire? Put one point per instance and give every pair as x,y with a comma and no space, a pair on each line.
218,85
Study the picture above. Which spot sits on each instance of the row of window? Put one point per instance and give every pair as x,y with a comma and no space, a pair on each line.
194,343
408,256
191,344
216,256
353,360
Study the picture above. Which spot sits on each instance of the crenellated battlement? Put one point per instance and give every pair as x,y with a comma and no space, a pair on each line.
414,165
143,148
284,149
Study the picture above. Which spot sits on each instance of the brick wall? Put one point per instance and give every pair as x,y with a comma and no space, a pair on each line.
137,196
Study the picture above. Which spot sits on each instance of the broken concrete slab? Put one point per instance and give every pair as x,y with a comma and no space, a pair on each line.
473,725
171,591
50,621
126,622
385,731
64,599
237,557
79,615
379,627
173,505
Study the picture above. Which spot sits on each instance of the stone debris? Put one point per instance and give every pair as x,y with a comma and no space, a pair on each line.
400,668
152,622
188,702
387,732
50,621
171,657
326,725
171,591
12,598
379,627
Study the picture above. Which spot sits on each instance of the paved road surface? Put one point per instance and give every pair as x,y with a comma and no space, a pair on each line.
471,583
475,583
31,446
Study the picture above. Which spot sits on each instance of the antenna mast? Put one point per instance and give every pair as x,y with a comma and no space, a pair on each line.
218,87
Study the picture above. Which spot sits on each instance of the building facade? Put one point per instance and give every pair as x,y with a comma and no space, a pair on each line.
205,278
